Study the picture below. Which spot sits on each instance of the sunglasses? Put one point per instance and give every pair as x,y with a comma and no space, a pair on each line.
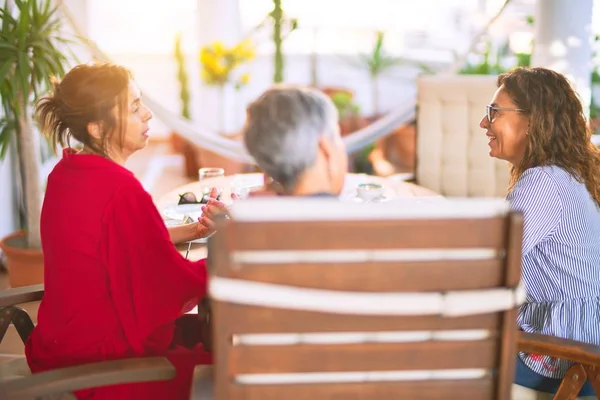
491,111
190,198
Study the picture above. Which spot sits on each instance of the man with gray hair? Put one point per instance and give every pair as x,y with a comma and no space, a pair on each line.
293,134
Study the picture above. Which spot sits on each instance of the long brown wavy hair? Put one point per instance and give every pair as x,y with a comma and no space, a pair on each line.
558,133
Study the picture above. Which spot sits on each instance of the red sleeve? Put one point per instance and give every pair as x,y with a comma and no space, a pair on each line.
151,283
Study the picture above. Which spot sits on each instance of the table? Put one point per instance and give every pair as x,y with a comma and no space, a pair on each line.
393,188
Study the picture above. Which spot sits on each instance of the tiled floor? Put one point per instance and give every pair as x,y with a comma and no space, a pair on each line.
160,171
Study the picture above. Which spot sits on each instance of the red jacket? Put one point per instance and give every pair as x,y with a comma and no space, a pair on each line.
114,282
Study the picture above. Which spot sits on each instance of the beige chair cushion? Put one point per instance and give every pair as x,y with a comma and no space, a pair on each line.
452,150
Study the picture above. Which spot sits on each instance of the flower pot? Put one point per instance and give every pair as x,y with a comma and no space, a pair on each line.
209,159
25,266
332,90
396,153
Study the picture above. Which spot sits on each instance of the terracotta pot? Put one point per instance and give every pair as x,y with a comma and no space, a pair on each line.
208,159
352,124
177,142
25,266
396,153
332,90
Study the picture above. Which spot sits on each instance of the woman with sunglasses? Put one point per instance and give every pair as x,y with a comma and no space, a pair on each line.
536,123
115,285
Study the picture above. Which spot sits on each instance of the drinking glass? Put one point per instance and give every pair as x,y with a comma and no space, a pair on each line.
205,173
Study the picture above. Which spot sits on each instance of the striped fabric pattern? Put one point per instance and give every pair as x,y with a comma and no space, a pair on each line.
560,263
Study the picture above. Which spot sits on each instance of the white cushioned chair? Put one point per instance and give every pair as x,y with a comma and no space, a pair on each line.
452,151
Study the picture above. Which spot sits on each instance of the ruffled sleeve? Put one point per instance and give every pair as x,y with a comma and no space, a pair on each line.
151,284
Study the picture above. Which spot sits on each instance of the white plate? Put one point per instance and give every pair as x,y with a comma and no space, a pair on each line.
178,212
250,181
201,240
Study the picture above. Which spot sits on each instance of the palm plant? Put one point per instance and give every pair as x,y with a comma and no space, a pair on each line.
30,37
377,62
182,77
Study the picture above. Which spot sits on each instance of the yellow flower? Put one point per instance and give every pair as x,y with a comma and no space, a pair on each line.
218,61
244,79
218,48
205,56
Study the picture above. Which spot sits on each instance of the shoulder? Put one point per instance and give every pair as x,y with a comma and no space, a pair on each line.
130,189
537,188
537,179
547,179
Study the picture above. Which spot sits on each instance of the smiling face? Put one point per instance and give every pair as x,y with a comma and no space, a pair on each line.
507,130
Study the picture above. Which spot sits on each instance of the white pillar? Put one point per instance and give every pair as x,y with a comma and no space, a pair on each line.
9,219
562,41
218,20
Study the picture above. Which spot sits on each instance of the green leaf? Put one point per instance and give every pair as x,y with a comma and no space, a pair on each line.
8,46
33,47
6,130
22,26
5,69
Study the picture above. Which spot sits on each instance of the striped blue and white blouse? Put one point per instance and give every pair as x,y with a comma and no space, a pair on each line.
561,261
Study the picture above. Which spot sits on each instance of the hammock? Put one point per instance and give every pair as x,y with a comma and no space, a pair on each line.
234,149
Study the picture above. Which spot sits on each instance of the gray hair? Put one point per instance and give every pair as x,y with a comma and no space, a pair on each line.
283,127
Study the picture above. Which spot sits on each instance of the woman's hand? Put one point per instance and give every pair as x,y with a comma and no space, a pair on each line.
205,226
214,207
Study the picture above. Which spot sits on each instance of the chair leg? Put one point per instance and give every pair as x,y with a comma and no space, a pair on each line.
22,321
572,383
19,318
593,375
6,316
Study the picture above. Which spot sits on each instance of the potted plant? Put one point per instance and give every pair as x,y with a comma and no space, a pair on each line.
30,38
348,112
378,62
279,20
179,143
219,65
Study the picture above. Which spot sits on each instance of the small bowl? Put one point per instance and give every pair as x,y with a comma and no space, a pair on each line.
369,191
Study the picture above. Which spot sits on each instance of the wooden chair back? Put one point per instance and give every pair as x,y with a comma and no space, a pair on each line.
315,299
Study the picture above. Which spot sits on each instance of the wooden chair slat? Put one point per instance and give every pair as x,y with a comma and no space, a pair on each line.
402,234
480,389
363,357
427,276
249,319
417,255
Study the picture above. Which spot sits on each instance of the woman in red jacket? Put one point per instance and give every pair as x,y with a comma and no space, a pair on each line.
114,282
